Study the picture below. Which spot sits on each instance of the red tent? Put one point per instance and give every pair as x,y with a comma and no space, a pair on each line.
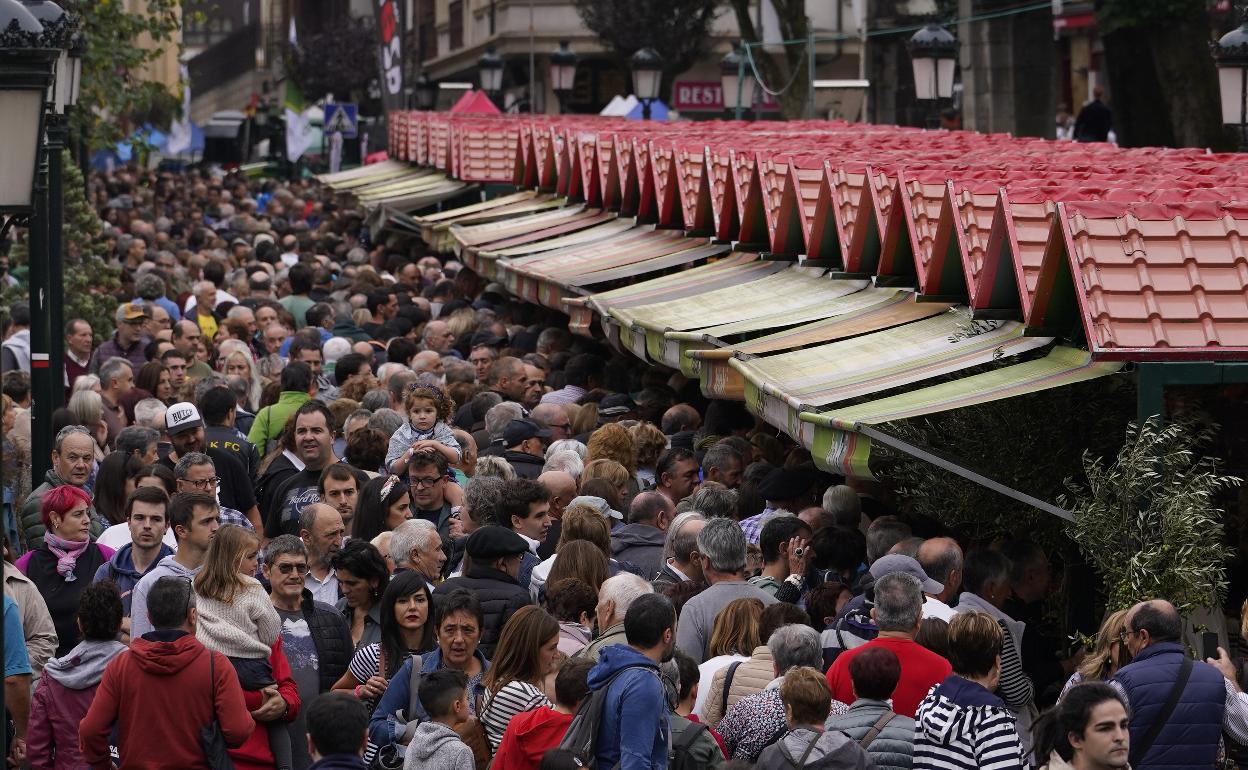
475,103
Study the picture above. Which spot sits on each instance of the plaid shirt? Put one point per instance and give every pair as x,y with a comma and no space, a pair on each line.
753,526
231,516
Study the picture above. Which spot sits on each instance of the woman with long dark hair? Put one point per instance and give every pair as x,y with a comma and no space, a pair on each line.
113,484
363,578
383,504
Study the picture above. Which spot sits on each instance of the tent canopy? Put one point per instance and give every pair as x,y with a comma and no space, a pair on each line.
475,103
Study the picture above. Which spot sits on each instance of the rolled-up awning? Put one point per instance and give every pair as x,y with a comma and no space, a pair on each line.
841,440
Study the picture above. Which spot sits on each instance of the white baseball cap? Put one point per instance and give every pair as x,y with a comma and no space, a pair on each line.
181,417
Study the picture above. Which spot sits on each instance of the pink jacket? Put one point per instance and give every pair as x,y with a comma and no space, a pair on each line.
61,700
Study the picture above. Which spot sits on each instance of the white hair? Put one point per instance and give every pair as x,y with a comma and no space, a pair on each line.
408,535
567,445
623,589
85,382
567,461
388,370
335,348
150,413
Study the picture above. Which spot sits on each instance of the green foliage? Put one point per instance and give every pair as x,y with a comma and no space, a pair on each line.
119,45
1149,522
677,29
1115,15
89,282
1029,443
330,62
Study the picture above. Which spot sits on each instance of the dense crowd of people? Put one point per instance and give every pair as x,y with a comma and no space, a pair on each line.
330,500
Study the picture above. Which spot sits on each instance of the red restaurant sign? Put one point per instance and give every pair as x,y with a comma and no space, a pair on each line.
707,96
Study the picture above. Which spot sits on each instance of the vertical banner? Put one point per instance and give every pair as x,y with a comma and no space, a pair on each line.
390,53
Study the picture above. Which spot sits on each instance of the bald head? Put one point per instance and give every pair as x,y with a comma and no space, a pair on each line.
681,417
562,488
427,361
651,509
1152,622
941,558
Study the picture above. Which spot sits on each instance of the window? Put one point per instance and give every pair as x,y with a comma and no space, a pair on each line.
456,35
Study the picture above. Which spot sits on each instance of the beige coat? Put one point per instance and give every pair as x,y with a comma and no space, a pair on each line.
751,676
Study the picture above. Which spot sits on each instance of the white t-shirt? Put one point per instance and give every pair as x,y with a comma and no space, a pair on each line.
935,608
119,534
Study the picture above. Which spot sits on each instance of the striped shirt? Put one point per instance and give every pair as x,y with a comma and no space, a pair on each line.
497,710
970,733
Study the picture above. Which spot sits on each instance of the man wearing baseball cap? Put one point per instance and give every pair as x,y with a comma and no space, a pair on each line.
185,428
496,553
129,341
525,443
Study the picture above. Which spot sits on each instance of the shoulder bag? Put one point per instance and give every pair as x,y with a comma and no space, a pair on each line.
210,736
1140,750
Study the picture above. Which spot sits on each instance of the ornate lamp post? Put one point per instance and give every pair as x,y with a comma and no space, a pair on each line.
1231,55
490,70
647,78
426,92
563,73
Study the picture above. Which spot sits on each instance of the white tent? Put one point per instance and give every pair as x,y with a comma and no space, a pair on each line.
619,106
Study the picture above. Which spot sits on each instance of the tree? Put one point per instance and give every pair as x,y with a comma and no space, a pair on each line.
1149,520
1161,76
90,282
677,29
794,69
120,43
331,61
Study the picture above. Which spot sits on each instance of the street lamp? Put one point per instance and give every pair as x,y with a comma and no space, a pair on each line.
563,72
933,54
1231,55
426,92
647,78
490,68
737,82
26,72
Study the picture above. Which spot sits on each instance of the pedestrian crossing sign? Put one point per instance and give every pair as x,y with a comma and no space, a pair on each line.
340,118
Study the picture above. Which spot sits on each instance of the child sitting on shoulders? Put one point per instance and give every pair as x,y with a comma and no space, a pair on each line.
428,410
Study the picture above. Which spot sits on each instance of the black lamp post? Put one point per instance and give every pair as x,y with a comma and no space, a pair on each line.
647,78
27,75
934,57
1231,55
426,92
490,69
563,73
737,82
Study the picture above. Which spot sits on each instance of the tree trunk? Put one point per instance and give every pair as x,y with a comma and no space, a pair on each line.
794,25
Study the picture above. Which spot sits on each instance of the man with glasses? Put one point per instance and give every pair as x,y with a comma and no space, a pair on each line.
214,471
72,458
128,342
195,518
315,636
553,418
426,475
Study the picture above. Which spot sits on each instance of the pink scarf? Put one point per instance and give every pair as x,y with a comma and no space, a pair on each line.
67,553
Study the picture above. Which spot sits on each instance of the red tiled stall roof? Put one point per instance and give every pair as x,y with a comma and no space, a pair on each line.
1022,228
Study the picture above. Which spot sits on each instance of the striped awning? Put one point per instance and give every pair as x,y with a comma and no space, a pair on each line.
841,440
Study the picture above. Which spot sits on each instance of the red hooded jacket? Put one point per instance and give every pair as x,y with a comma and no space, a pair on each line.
159,694
255,754
528,737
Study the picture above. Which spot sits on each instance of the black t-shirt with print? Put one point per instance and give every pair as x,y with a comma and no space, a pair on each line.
288,500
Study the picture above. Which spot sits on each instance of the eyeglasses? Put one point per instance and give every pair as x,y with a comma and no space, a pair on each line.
428,481
287,568
204,483
1123,636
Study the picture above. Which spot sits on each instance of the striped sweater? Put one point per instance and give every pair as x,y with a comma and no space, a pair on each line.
962,726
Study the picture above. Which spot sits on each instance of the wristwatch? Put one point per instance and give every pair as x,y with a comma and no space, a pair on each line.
795,580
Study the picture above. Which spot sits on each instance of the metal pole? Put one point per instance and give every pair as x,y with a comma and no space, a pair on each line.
41,409
58,134
1243,110
810,75
740,83
532,64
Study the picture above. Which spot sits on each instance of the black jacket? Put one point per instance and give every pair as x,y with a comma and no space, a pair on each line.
500,595
230,440
525,465
332,637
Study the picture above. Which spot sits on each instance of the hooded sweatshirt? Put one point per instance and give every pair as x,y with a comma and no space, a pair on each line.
962,725
529,736
120,569
61,700
139,624
158,695
832,751
437,747
634,730
640,544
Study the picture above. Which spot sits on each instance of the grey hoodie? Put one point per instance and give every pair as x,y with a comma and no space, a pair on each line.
139,624
832,751
437,747
84,665
640,544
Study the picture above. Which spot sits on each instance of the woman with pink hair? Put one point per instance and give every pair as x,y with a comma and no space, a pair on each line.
65,564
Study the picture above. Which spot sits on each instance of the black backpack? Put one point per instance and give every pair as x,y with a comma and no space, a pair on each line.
581,739
680,758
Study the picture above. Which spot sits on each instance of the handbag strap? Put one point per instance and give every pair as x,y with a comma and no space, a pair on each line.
1140,750
876,728
212,683
723,698
809,748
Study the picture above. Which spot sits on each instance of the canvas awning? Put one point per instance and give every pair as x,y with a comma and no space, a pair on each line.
841,440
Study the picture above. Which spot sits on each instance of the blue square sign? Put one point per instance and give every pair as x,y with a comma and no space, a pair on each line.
341,118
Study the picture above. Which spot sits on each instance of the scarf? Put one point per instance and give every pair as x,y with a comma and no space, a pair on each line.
66,553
